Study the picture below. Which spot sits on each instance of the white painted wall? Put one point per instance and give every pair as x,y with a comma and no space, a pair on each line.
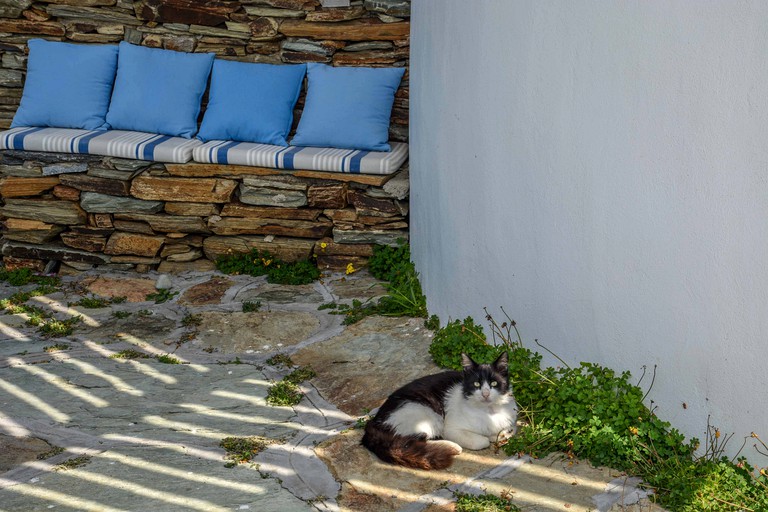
600,170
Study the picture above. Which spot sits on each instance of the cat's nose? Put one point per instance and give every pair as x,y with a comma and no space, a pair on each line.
486,393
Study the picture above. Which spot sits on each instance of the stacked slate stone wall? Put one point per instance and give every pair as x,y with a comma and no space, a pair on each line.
87,210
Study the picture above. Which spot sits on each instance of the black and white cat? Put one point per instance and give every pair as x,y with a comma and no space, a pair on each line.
427,422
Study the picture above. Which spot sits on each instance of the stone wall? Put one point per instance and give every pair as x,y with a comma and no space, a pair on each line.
85,210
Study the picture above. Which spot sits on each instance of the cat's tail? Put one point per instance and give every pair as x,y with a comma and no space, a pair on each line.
413,451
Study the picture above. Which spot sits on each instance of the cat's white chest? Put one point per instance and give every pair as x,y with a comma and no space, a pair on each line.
468,420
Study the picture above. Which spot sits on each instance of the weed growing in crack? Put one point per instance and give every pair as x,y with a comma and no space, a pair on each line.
280,360
162,295
94,302
483,503
287,392
130,354
251,306
242,449
73,463
167,359
55,450
58,347
191,320
59,328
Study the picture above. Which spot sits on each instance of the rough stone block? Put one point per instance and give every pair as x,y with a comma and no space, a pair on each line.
52,251
51,211
263,196
200,190
66,193
132,243
259,226
93,202
354,236
242,210
287,249
87,183
355,30
327,196
23,187
86,242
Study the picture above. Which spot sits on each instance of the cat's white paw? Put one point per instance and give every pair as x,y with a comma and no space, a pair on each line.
456,448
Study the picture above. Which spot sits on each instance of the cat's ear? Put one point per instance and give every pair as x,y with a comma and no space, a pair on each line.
467,363
502,363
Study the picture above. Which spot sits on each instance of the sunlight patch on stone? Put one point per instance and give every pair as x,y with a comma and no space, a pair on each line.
60,383
118,383
33,401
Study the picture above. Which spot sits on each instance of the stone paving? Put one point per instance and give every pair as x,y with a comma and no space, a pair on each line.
144,435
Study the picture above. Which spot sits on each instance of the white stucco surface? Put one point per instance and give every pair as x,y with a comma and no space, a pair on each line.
600,170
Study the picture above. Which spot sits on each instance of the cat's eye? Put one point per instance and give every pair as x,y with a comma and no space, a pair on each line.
494,384
477,384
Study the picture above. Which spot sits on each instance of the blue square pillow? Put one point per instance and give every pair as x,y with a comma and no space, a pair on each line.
158,91
251,102
348,107
67,85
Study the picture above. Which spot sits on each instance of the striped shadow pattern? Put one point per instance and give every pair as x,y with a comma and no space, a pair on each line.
302,158
117,143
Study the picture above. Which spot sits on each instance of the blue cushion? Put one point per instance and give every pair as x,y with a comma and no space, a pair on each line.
348,107
67,86
158,91
251,102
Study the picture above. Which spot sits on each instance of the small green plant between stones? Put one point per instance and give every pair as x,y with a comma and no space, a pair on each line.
144,312
121,314
284,393
287,392
251,306
191,320
58,347
484,503
129,353
73,463
162,295
404,295
280,360
55,450
24,276
259,263
167,359
242,449
300,374
94,302
59,328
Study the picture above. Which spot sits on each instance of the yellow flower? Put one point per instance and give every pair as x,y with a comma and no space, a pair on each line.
323,245
266,262
633,430
717,433
350,268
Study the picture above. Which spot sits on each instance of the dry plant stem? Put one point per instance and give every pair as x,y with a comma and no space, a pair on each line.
734,505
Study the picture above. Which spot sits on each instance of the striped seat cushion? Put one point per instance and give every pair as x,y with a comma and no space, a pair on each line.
118,143
302,158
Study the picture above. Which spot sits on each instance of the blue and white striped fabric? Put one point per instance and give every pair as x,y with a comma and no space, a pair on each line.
117,143
302,158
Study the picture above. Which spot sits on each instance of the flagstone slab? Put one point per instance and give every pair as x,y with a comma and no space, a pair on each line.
255,332
359,368
17,450
133,289
281,294
209,292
